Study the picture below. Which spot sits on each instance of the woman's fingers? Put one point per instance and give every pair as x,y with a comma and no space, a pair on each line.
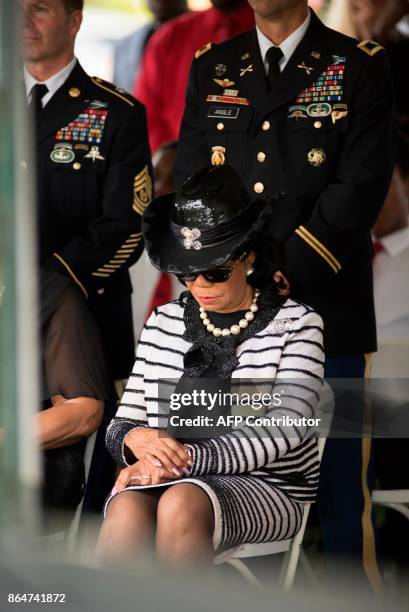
123,479
179,449
168,459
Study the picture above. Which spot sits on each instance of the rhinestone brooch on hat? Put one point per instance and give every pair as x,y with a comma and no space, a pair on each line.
191,238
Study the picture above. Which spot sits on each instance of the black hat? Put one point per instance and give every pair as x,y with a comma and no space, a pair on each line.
207,222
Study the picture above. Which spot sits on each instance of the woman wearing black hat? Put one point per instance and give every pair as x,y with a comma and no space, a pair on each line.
209,484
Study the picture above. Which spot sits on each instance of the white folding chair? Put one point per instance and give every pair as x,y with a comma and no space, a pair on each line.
395,499
291,546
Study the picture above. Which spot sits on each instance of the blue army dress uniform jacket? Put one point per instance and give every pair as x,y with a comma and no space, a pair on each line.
94,181
325,137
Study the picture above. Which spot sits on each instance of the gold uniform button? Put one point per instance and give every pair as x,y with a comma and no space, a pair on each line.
317,124
220,126
101,291
77,166
74,92
259,187
266,125
261,156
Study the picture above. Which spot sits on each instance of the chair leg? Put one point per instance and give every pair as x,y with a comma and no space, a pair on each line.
244,571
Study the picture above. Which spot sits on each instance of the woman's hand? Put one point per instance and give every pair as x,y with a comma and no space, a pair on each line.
142,473
159,450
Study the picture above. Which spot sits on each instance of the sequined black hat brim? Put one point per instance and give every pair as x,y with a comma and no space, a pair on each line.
168,254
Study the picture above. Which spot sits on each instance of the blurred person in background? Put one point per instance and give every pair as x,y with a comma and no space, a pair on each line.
93,174
306,111
128,51
76,384
386,21
161,84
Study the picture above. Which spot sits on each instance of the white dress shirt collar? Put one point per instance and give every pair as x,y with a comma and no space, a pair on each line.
53,83
288,46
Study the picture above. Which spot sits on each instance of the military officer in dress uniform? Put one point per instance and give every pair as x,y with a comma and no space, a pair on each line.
93,172
298,108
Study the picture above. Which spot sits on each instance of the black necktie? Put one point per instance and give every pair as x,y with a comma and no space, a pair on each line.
273,56
37,94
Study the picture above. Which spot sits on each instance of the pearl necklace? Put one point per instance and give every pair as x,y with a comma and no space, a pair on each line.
234,329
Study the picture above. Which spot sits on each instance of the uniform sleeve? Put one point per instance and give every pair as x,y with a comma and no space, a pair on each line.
192,148
299,380
113,241
131,413
348,207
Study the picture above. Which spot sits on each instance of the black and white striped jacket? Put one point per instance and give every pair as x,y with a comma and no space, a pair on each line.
288,352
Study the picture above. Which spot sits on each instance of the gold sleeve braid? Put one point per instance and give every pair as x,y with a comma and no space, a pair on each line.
142,195
142,191
121,256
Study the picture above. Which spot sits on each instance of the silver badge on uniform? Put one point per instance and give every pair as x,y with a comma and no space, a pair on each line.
94,154
62,153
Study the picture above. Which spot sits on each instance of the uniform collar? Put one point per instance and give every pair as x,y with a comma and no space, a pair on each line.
53,83
288,46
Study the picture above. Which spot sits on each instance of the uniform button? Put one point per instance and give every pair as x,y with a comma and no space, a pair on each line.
261,156
220,126
101,291
259,187
24,165
317,124
266,125
76,166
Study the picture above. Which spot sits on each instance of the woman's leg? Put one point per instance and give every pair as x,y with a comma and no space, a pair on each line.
128,526
185,525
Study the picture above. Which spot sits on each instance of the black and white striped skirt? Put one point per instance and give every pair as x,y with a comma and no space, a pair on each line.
247,510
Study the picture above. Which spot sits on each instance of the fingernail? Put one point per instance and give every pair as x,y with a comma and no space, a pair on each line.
157,463
190,462
175,471
114,491
186,471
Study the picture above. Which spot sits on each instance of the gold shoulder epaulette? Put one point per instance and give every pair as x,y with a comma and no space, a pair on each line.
370,46
203,50
112,89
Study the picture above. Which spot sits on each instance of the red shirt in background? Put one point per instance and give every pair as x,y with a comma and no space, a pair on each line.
161,85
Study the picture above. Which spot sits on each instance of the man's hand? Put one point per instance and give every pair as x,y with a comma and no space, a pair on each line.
142,473
282,283
160,450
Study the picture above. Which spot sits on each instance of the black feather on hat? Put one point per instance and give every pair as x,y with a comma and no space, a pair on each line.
207,222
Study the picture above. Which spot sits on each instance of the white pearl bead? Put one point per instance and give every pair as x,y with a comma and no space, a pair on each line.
203,315
243,323
206,322
254,308
210,327
201,309
249,316
226,332
235,330
217,332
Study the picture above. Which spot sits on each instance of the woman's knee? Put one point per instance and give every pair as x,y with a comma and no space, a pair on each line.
130,504
183,508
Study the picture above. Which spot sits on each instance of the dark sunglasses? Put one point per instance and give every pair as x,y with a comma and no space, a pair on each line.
217,275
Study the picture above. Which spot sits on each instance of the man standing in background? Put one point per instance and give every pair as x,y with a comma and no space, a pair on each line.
128,51
93,172
164,73
303,110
